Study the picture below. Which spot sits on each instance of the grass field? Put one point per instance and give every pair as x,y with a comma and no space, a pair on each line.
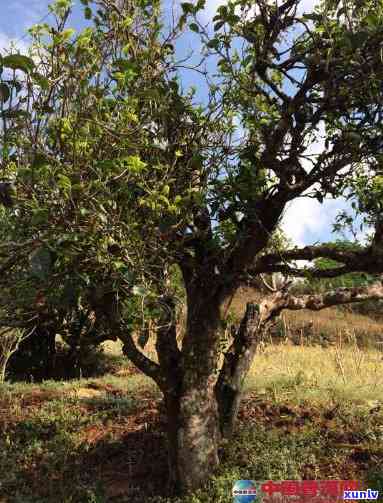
311,411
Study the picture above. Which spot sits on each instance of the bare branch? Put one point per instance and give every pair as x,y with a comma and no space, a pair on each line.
346,257
273,305
267,285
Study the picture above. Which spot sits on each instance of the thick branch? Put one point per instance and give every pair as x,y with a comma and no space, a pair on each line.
257,228
273,305
349,261
166,346
142,362
313,252
312,273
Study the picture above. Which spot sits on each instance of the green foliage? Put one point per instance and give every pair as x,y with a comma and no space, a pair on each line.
18,62
90,202
114,182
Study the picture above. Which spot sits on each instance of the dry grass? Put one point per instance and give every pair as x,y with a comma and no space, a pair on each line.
318,373
320,356
336,326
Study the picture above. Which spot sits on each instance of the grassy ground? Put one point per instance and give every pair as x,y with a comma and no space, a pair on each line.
311,412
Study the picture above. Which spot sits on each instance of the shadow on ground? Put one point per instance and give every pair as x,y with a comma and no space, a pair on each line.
107,446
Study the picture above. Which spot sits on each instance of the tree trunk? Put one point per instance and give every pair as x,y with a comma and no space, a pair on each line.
236,365
188,381
198,437
193,437
195,446
172,405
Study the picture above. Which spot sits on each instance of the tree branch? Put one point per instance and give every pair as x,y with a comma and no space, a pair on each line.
142,362
368,260
347,257
273,305
285,269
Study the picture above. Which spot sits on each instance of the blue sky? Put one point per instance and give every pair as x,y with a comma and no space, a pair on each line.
305,220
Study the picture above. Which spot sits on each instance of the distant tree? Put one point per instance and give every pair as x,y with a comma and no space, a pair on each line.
123,181
10,340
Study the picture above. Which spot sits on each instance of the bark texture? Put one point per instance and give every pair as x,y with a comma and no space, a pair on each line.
236,365
198,435
274,304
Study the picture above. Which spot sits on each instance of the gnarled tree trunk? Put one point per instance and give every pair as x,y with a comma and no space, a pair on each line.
201,401
198,433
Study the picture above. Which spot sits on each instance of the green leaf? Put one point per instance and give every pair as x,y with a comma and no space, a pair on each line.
39,216
218,25
187,7
313,17
88,13
194,27
64,183
4,92
182,21
14,114
213,43
372,20
67,34
135,165
127,22
139,290
124,65
40,80
39,161
18,62
358,39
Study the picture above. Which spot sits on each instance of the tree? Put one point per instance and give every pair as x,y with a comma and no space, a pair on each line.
9,344
125,180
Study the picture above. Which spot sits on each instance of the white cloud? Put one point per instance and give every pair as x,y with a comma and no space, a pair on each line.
306,220
307,5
